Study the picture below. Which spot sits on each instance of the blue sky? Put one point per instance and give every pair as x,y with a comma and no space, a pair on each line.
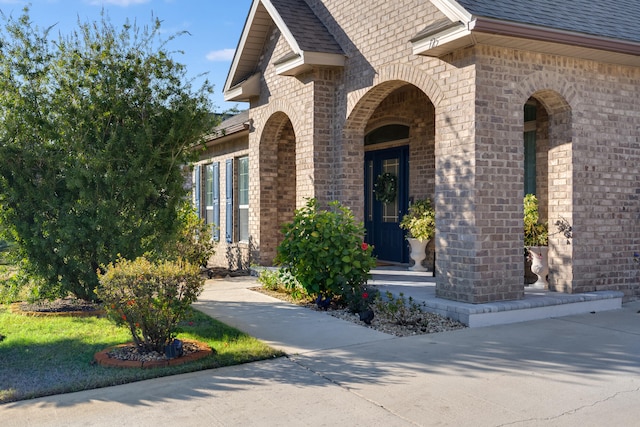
214,27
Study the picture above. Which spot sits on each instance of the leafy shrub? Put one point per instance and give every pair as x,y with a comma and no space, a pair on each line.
149,298
324,250
398,310
361,299
535,232
194,242
269,280
281,281
420,221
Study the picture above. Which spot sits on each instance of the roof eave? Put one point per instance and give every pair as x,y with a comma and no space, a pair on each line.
440,43
245,90
294,65
456,36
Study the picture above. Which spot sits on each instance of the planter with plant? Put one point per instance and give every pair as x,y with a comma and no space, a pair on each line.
420,223
536,241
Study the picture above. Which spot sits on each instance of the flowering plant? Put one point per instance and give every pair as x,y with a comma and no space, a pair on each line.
324,251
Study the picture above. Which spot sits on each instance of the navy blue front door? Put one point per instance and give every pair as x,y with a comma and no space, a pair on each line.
382,220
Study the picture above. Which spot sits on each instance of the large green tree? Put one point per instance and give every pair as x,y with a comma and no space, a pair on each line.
95,128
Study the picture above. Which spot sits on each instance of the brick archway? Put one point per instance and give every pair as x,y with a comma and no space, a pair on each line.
557,101
277,172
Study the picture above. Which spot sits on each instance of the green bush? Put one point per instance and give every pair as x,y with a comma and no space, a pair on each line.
149,298
325,252
270,280
535,232
420,221
398,310
194,242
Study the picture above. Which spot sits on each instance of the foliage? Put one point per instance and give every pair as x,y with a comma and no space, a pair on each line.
49,355
149,298
270,280
420,221
282,281
360,299
194,242
535,232
95,130
324,251
386,187
398,310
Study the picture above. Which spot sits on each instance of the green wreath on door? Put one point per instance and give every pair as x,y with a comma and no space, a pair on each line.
386,187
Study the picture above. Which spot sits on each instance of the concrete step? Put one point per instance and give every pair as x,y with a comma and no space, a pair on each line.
537,304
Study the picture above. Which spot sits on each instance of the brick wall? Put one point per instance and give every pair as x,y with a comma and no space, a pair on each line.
470,104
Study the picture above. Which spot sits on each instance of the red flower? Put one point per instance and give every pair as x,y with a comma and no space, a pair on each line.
124,317
365,295
364,246
137,325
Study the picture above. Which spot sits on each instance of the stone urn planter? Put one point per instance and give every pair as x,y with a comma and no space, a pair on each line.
417,253
539,265
420,223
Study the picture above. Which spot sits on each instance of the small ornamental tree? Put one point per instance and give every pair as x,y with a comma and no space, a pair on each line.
149,298
94,131
325,252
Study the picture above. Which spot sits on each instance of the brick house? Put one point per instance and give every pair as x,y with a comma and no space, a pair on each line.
470,103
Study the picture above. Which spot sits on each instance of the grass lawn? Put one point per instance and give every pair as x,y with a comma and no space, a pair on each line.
42,356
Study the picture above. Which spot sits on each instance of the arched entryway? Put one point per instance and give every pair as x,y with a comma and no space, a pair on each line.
548,174
393,126
277,182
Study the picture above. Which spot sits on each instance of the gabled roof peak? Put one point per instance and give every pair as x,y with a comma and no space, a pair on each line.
310,42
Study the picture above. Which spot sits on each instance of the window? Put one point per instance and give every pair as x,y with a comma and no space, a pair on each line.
243,199
387,133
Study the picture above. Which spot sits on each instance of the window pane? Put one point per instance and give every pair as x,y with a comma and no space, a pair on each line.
243,181
243,199
243,220
390,210
208,182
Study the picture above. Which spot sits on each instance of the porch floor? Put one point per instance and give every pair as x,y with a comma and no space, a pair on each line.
537,304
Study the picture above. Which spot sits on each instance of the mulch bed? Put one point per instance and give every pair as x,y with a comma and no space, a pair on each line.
127,356
59,307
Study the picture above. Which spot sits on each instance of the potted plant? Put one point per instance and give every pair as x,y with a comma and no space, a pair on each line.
536,241
420,223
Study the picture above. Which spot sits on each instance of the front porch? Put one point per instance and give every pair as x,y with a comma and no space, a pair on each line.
536,304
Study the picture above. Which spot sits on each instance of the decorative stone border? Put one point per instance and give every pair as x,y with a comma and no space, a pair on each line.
102,358
15,309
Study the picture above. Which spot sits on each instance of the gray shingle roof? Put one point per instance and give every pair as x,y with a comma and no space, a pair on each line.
306,28
604,18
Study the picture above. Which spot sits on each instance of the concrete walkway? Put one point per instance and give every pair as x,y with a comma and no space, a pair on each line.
577,370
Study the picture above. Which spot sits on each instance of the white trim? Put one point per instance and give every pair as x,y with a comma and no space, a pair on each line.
241,43
277,19
244,90
433,41
304,61
453,10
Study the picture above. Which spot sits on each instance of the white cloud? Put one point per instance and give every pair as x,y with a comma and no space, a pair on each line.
221,55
